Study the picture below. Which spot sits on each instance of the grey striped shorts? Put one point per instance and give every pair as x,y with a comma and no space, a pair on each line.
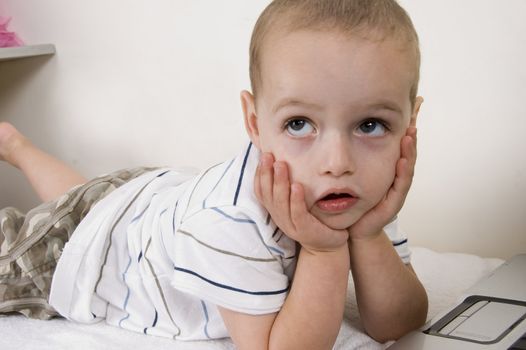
31,244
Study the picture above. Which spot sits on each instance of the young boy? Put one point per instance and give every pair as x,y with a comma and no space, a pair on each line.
258,248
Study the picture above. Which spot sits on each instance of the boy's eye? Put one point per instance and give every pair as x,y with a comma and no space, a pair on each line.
299,127
373,128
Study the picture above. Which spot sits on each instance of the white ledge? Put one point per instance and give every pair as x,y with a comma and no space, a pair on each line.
9,53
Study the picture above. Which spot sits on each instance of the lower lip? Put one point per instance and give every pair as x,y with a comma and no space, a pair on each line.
336,205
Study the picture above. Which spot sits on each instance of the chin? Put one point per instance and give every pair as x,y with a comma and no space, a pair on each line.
339,222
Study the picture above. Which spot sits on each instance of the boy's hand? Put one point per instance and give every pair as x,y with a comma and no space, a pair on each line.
372,222
286,205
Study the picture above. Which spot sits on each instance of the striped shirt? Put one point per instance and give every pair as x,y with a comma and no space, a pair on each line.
160,252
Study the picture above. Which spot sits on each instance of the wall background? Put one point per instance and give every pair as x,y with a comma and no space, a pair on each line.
136,82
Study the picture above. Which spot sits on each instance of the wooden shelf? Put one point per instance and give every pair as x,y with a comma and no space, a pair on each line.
11,53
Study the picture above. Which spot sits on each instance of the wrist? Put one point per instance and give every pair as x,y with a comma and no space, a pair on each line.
365,239
372,249
332,263
372,245
324,251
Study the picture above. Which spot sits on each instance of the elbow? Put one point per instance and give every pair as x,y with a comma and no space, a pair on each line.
421,307
393,333
380,338
413,318
385,335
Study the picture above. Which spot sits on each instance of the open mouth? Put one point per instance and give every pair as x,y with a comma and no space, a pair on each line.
336,202
333,196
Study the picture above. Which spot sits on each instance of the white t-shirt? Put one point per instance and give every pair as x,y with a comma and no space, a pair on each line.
160,252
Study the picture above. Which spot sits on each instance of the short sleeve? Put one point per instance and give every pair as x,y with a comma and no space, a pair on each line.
399,240
224,256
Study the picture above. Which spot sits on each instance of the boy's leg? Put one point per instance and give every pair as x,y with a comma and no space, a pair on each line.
48,176
18,291
31,244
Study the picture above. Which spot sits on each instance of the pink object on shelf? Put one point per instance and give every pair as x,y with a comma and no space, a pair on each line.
7,38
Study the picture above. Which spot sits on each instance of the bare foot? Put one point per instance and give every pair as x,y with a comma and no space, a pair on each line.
10,140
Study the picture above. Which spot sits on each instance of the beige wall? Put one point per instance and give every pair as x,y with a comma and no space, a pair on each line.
141,82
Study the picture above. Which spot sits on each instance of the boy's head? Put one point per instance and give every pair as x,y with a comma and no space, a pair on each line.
375,20
334,89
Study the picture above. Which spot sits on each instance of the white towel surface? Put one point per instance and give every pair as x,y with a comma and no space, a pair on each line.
445,276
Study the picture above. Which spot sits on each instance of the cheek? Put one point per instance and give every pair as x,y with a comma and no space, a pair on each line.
296,163
300,165
295,154
379,176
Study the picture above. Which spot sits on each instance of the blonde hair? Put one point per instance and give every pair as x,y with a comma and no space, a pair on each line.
371,19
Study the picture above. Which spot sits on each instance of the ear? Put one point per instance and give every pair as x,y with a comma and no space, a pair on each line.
418,102
250,117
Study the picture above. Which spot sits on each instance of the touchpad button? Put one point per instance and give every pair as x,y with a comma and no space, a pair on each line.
489,322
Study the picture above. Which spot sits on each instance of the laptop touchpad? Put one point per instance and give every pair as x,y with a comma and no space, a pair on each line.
480,319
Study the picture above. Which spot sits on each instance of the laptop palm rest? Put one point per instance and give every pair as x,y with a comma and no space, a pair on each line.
491,316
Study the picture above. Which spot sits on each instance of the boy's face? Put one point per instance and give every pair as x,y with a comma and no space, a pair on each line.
334,109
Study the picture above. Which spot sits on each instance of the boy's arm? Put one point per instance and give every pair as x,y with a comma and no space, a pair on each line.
391,299
312,313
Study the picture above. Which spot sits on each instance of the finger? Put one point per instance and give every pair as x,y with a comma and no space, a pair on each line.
404,176
398,192
411,131
298,208
415,140
281,199
301,218
257,185
281,190
310,232
266,178
408,151
404,173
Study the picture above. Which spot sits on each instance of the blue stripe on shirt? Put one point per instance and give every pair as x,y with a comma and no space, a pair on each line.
275,250
163,173
127,297
224,286
240,220
248,221
397,243
153,324
242,173
218,181
155,319
173,219
137,217
207,319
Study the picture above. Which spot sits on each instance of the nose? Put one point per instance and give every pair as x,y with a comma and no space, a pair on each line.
337,159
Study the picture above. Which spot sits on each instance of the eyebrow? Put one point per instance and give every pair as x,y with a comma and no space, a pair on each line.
377,105
386,104
291,101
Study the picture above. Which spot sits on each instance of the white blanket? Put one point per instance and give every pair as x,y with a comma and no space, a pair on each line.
445,276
